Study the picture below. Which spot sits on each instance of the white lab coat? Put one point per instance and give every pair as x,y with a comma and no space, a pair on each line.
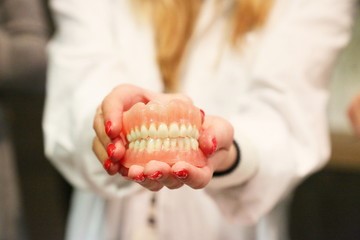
273,90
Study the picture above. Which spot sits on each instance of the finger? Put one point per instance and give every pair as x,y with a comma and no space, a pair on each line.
123,171
192,176
100,152
123,98
98,126
136,173
116,150
119,100
216,134
161,172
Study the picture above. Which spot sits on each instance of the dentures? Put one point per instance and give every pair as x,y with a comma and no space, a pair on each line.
166,132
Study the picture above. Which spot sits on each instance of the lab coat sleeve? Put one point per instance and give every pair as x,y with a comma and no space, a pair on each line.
83,68
281,124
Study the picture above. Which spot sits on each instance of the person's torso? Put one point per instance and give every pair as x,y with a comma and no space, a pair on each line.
216,76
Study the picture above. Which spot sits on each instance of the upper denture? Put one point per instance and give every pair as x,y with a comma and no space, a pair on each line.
157,130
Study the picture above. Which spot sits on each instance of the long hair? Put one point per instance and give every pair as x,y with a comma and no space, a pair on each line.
174,22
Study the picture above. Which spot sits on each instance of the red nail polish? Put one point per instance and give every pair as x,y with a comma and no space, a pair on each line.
156,175
182,174
214,148
108,127
209,149
107,165
110,150
202,115
139,178
110,167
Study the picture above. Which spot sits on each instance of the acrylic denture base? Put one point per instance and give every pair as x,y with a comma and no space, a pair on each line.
166,132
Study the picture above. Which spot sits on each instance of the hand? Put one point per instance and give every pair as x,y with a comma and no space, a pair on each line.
354,114
215,141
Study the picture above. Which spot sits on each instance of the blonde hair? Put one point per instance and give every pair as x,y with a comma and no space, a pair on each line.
174,22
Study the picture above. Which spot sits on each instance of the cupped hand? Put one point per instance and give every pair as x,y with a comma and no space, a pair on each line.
215,141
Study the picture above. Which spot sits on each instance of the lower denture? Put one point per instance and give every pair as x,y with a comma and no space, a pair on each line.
170,136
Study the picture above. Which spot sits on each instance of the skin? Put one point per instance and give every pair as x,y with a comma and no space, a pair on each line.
354,114
216,141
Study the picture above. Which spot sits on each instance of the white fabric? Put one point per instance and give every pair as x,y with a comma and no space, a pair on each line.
273,90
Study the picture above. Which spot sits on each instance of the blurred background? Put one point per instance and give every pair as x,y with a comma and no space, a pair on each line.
327,204
34,198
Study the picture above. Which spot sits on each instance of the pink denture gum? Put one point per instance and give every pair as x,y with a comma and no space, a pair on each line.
166,132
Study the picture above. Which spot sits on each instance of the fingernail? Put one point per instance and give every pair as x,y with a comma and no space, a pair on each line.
107,164
110,167
202,115
108,127
211,149
182,174
139,178
156,175
110,150
214,148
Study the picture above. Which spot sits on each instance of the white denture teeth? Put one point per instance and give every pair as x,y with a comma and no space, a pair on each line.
137,133
142,145
174,130
166,144
189,130
136,145
133,135
196,133
144,133
173,137
150,145
128,137
163,131
158,144
181,144
173,142
187,144
152,130
194,144
183,130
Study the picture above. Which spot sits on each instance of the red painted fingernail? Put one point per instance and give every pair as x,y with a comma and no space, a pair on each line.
110,167
107,165
209,150
202,115
108,127
156,175
139,178
110,150
214,147
182,174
